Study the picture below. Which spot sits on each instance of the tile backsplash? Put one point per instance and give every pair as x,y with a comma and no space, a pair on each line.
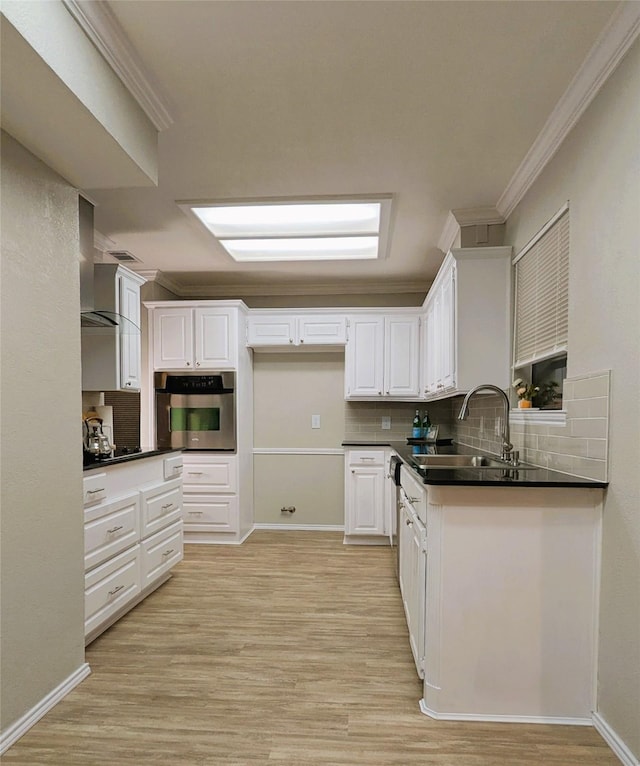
363,420
573,440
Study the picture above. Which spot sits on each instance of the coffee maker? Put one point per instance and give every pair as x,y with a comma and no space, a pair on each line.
96,445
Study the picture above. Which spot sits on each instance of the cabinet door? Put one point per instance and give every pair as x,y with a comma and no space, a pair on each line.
265,330
365,501
447,331
130,359
216,338
416,594
402,356
322,330
172,339
364,361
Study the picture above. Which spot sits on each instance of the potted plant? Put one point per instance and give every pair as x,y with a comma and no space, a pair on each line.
525,392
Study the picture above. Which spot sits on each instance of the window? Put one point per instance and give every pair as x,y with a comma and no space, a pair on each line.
542,293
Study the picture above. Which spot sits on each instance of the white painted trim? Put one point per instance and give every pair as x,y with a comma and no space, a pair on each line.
297,451
102,27
449,233
613,740
153,275
470,216
614,41
542,719
301,527
20,727
538,417
317,288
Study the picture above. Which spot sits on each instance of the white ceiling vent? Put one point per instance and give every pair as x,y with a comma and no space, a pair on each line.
123,256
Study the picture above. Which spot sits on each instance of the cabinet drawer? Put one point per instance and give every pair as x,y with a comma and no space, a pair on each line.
172,467
217,475
110,528
94,488
366,457
204,513
109,587
160,505
161,552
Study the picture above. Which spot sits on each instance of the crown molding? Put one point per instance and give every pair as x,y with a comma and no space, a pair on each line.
470,216
154,275
275,289
612,44
450,231
102,27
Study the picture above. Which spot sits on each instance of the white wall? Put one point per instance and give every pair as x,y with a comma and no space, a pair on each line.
42,564
598,170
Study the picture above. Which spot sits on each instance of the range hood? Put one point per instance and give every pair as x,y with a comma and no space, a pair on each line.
95,319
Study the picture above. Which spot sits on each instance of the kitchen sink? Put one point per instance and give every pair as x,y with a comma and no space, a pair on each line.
462,461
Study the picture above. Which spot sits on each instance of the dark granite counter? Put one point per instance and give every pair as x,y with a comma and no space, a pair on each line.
531,476
128,458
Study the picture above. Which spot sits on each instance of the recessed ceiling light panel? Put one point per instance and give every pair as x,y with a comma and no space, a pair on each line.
298,231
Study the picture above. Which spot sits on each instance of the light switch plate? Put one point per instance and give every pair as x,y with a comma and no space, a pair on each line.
386,424
315,421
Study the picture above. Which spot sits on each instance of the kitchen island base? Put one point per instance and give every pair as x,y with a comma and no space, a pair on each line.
511,603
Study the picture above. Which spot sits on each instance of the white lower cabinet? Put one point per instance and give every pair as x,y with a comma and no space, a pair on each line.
412,576
367,501
133,536
211,508
109,587
499,589
160,552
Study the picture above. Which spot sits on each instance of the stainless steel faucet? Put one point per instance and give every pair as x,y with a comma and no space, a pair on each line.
508,453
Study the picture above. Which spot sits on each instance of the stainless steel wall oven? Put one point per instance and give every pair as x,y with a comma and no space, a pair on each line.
195,411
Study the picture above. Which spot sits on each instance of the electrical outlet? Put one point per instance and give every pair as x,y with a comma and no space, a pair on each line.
315,421
386,424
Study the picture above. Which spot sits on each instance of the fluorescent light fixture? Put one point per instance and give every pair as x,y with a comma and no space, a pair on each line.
353,229
302,249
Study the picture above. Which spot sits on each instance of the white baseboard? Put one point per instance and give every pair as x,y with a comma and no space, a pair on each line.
20,727
613,740
503,718
302,527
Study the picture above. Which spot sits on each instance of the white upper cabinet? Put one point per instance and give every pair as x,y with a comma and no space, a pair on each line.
466,337
111,355
194,338
382,358
277,330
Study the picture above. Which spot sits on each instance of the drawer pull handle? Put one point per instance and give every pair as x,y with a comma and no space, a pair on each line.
414,499
195,513
194,473
367,458
167,553
114,529
115,590
167,506
95,491
177,469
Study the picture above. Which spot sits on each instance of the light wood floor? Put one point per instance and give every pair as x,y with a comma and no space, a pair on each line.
290,649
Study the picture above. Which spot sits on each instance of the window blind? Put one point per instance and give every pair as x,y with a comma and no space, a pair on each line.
542,295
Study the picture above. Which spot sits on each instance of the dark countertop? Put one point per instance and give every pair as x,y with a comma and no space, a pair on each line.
128,458
478,477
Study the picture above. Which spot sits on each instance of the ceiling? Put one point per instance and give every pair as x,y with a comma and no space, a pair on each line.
435,103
